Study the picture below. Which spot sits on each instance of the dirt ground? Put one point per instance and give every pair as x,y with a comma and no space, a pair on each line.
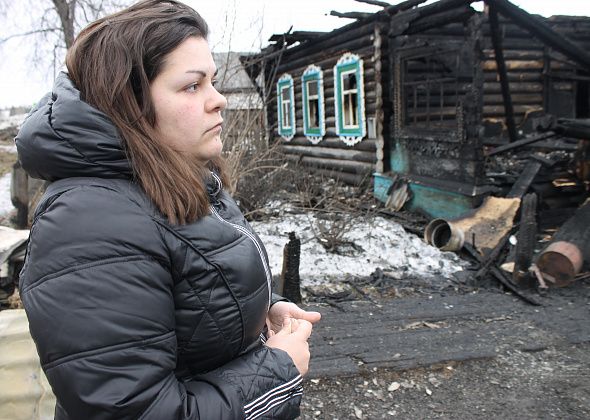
522,381
553,383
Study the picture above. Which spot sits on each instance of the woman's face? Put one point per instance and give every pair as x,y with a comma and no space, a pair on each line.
188,107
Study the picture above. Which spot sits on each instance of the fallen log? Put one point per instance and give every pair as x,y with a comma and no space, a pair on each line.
577,128
520,143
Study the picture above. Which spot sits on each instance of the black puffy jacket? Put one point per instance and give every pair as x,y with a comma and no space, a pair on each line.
134,317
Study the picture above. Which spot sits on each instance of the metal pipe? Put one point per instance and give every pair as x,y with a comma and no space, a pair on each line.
560,262
444,235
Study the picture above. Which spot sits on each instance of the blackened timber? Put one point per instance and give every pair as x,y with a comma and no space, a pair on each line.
525,180
525,87
577,128
290,279
520,143
351,15
374,2
332,153
401,22
297,36
576,231
501,277
359,168
542,31
404,5
348,178
491,258
441,6
441,19
360,46
346,33
501,67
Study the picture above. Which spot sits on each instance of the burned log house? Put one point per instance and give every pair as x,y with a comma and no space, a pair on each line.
418,95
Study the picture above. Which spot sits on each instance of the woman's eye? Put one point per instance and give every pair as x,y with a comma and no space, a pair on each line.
192,88
214,82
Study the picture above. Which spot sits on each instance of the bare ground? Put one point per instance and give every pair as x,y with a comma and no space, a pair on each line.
552,383
452,355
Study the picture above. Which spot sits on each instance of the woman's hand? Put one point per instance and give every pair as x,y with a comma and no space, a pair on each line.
286,310
292,338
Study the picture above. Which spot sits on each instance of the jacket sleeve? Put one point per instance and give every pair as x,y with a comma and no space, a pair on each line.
99,297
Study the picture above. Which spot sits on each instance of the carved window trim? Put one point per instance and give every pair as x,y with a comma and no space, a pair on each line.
346,65
286,107
313,74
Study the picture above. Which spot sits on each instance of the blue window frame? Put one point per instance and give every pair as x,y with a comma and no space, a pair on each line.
286,107
349,99
312,86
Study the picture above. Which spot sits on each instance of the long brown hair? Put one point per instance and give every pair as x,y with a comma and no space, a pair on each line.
112,62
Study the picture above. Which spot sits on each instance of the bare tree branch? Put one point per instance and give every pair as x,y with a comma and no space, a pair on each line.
29,33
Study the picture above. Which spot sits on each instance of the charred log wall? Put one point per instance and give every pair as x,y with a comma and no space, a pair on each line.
437,104
539,78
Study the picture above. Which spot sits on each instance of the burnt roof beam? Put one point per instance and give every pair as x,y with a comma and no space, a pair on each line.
542,31
501,68
351,15
404,5
375,2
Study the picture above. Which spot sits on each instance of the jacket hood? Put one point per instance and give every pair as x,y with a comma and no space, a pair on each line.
64,137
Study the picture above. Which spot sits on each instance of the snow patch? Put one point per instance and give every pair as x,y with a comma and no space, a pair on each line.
12,121
385,244
5,202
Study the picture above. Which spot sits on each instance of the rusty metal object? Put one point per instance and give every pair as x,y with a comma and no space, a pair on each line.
444,235
560,262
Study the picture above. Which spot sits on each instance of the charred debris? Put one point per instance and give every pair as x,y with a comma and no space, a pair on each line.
478,120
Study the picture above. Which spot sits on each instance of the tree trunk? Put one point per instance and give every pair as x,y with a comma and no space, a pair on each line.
66,12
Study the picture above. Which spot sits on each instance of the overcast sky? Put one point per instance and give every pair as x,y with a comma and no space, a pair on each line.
239,25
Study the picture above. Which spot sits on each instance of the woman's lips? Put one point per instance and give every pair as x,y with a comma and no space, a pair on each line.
216,127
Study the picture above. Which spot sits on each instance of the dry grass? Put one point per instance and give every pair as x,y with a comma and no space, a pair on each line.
6,161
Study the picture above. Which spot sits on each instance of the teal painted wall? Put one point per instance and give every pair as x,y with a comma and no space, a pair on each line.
398,159
432,201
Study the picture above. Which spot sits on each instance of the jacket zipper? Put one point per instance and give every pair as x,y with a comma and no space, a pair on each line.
245,232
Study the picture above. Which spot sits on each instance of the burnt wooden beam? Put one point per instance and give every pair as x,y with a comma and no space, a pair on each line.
351,15
491,258
501,68
525,180
520,143
459,14
542,31
577,128
404,5
375,2
401,22
300,36
500,276
290,280
442,6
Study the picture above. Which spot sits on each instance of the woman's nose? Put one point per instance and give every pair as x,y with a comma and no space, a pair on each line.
217,102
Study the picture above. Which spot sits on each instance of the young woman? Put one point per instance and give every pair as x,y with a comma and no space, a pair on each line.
148,294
